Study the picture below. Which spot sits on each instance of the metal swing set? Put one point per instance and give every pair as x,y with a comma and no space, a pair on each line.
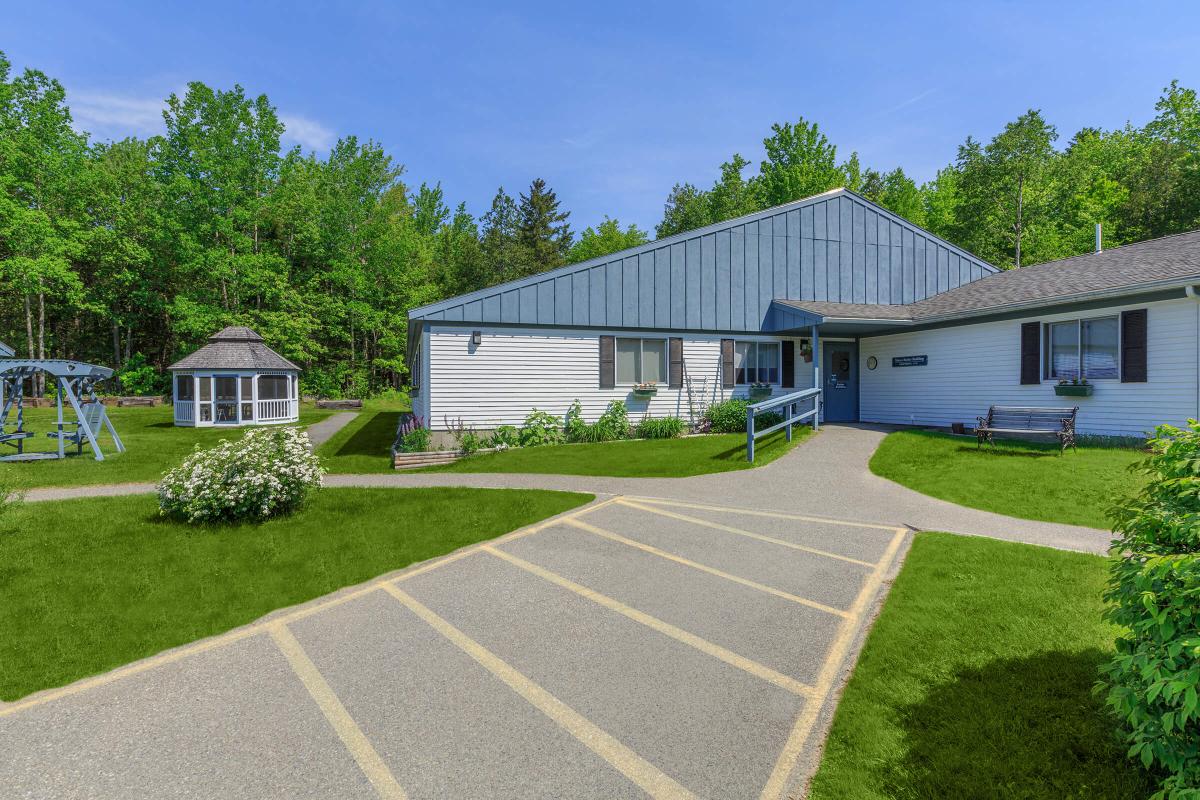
76,383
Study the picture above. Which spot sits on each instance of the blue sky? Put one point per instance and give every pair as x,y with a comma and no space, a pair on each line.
612,103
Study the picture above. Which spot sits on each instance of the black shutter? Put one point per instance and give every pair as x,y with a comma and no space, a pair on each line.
727,376
675,372
789,364
1031,352
1133,346
608,362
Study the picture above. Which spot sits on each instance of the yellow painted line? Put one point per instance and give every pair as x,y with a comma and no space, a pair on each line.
238,634
762,587
651,780
786,762
753,512
339,719
678,634
742,532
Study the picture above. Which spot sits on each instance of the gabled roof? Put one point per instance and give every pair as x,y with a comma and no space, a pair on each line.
235,347
1166,262
6,351
836,246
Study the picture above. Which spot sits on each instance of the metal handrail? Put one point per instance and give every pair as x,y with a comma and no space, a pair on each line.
790,417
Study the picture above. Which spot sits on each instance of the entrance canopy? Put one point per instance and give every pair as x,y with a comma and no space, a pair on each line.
75,384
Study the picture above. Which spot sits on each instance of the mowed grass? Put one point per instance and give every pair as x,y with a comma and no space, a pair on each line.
1018,478
976,682
641,458
152,445
365,444
89,585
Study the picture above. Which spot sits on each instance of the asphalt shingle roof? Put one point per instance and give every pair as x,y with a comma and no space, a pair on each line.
1132,266
235,347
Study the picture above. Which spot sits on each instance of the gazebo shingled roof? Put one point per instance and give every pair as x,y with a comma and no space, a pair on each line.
235,347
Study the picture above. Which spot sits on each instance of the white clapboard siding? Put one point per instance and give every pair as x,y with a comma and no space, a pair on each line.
974,366
512,371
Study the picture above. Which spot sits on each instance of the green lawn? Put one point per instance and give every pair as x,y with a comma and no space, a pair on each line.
365,445
88,585
976,682
152,445
642,458
1018,478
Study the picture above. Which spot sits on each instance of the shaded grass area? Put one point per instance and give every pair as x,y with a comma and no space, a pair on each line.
365,444
976,682
152,445
89,585
643,458
1017,478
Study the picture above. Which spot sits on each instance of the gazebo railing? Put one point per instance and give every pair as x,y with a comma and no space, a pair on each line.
185,411
274,410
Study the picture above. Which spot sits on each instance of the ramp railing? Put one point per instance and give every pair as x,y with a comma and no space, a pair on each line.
789,406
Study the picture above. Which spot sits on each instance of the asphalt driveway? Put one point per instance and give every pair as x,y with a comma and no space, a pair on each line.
633,648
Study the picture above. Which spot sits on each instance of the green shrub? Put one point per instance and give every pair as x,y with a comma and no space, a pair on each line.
540,428
728,416
1154,595
504,437
137,377
613,424
660,428
414,437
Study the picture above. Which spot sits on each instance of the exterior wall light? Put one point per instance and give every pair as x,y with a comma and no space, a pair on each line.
476,338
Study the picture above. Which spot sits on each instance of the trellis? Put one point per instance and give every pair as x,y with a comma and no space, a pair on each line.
75,382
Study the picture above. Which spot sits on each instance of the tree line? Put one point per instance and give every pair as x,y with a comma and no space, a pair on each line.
131,253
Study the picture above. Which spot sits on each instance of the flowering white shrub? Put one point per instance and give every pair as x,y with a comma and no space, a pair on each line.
269,471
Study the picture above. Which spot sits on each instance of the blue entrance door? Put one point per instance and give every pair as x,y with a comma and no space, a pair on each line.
840,381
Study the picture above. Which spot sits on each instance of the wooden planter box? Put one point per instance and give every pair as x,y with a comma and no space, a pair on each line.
414,460
757,395
341,405
1074,390
645,394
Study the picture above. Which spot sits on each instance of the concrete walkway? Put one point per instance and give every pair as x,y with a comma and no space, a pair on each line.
321,432
825,476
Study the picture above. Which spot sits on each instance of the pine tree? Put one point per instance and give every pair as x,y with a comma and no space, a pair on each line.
543,234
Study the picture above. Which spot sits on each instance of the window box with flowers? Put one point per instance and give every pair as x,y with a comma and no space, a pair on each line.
1074,388
644,391
759,391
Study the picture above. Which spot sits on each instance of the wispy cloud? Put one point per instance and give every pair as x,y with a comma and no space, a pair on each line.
910,101
308,133
108,115
113,115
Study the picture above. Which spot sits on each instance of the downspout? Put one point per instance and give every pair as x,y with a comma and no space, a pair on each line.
1190,292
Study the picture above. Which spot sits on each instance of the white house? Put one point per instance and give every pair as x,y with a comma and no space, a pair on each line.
906,327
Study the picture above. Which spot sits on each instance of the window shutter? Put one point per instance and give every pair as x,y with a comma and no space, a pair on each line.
1031,352
789,364
675,373
727,375
608,362
1133,346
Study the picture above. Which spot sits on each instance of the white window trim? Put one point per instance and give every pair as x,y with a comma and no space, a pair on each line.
1046,347
666,364
756,342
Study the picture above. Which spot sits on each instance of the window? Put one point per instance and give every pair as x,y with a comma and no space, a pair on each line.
272,387
641,361
756,362
1086,348
185,387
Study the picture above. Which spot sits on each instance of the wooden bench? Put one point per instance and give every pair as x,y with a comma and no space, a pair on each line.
1057,422
94,415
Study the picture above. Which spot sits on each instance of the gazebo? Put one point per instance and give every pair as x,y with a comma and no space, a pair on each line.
235,379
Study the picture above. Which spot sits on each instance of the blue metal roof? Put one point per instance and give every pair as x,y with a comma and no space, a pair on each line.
836,246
